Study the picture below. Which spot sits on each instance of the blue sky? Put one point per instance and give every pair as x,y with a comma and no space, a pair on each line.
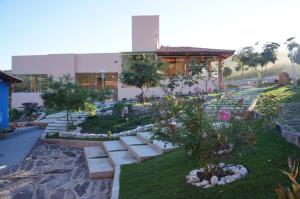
87,26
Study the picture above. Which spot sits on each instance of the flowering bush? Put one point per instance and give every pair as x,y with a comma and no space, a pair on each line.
185,123
224,115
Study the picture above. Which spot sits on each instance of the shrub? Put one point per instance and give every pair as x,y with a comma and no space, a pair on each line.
185,123
269,103
15,114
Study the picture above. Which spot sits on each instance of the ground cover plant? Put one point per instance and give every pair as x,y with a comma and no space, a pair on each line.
113,123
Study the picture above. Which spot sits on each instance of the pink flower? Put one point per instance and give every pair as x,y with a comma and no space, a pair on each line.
209,90
224,115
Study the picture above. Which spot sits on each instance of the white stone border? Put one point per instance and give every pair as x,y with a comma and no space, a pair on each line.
238,170
76,133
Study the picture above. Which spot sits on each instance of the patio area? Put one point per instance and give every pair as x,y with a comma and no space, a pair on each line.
52,172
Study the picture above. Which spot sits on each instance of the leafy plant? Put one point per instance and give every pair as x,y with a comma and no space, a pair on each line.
64,94
269,103
256,60
227,71
142,71
185,123
292,174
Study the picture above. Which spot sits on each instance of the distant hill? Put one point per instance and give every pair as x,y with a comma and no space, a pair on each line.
282,64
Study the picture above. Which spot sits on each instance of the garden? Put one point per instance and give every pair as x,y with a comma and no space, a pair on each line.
224,149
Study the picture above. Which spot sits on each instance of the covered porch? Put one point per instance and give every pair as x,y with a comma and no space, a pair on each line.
180,58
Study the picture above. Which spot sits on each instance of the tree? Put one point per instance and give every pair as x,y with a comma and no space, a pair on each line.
194,77
249,58
64,94
227,71
293,54
142,71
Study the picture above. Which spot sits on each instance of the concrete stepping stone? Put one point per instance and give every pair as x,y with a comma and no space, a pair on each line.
145,136
114,145
100,168
130,140
121,158
142,152
158,145
94,152
162,147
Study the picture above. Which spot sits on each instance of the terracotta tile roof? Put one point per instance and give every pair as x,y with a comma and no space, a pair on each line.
184,50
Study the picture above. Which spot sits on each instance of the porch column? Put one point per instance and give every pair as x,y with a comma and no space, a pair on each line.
220,74
187,68
209,68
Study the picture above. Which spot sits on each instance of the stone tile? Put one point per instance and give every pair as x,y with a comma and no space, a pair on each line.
114,145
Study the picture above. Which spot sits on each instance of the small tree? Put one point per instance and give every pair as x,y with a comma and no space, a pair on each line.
249,58
293,54
142,71
227,71
64,94
194,77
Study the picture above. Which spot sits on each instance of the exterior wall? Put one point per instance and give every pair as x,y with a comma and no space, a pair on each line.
4,114
18,98
145,33
54,64
92,63
131,92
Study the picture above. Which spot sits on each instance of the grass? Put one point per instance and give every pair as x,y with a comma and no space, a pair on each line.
274,96
163,177
114,123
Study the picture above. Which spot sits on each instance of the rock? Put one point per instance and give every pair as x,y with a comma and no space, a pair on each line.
40,193
69,153
204,182
193,172
24,194
192,179
221,182
243,171
81,189
58,171
207,186
236,176
214,180
198,184
69,194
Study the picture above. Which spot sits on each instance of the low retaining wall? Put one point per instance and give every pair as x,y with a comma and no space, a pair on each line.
71,143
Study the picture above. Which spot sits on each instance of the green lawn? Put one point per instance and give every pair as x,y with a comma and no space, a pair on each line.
164,177
114,123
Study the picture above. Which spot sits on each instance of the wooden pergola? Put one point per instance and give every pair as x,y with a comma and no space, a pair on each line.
207,55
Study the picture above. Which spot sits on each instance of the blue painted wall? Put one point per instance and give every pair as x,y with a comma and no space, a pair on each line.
4,92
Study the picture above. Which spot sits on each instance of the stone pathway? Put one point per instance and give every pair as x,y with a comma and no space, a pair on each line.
52,172
16,146
248,94
290,117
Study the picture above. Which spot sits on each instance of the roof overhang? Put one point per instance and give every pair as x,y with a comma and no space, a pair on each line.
9,78
192,51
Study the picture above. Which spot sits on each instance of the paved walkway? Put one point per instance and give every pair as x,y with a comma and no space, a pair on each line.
52,171
16,147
